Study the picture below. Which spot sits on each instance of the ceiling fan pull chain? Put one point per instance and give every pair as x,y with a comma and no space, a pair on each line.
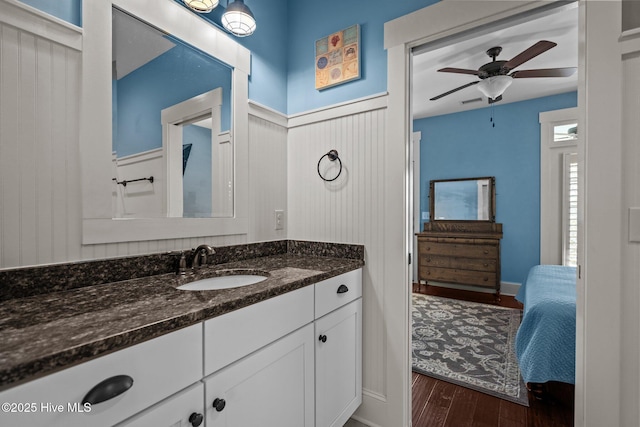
493,124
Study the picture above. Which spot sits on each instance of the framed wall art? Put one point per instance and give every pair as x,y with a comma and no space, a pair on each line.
338,58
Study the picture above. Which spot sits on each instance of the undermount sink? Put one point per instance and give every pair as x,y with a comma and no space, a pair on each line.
225,279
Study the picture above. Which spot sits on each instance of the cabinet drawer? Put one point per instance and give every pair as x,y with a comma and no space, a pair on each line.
331,294
158,368
232,336
476,264
174,411
465,277
459,250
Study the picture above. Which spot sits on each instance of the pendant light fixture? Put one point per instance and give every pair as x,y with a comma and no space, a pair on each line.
202,6
238,19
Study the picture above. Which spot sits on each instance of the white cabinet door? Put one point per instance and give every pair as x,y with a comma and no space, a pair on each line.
338,365
184,409
272,387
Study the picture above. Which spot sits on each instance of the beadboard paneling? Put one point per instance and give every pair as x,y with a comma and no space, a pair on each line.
631,250
39,149
40,194
347,210
267,178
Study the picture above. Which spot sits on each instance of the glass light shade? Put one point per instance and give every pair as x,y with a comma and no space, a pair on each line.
238,19
202,6
493,87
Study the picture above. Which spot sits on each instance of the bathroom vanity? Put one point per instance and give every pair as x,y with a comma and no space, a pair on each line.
282,352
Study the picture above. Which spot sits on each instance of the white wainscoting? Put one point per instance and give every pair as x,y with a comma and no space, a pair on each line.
39,169
267,172
630,316
347,210
140,198
40,194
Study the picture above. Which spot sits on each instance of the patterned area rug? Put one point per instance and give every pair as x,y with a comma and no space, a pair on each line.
469,344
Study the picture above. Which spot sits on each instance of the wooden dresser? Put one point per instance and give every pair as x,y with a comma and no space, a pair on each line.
461,252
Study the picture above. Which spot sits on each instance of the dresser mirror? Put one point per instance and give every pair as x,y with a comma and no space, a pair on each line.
463,199
217,88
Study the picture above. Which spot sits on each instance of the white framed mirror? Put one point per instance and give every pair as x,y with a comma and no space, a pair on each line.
96,128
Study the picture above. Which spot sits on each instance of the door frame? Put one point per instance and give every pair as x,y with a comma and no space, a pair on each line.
597,399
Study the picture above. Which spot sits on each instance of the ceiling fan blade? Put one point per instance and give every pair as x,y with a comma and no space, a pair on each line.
545,72
535,50
453,90
458,70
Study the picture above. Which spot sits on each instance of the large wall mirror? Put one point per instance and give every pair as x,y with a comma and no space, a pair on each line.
164,132
464,199
171,116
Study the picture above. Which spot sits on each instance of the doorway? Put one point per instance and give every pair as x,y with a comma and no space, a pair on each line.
439,43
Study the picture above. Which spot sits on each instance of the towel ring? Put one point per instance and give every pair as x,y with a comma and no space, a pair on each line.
333,156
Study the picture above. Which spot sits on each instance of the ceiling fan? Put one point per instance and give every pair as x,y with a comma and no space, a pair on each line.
495,78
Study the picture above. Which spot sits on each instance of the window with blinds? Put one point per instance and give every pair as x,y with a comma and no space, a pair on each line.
570,210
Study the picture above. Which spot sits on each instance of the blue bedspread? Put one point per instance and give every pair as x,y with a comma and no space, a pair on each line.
546,339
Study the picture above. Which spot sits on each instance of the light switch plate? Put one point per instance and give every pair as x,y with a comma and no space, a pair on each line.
634,225
279,217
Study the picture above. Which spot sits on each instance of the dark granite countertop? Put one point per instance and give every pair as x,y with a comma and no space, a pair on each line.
44,333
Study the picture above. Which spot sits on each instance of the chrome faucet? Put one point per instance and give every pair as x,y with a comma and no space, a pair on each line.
200,255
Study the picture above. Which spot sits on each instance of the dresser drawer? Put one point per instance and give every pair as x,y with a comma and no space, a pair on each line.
466,277
476,264
458,250
337,291
158,368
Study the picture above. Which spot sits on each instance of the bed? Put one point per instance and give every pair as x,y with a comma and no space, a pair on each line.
546,340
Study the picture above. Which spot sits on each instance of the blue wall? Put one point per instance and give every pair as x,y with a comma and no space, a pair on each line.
311,20
159,84
282,47
268,46
69,10
465,145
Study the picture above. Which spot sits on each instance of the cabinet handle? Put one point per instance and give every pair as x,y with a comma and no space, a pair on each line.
343,289
219,404
486,279
322,338
195,419
486,265
108,389
486,251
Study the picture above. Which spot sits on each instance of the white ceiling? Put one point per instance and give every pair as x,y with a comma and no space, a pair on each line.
560,27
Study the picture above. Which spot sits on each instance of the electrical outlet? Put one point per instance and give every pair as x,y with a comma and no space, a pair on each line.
279,219
634,224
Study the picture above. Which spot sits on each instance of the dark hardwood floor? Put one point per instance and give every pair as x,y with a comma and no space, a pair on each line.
438,403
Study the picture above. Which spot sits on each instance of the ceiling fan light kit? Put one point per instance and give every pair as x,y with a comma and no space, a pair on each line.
493,87
496,76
